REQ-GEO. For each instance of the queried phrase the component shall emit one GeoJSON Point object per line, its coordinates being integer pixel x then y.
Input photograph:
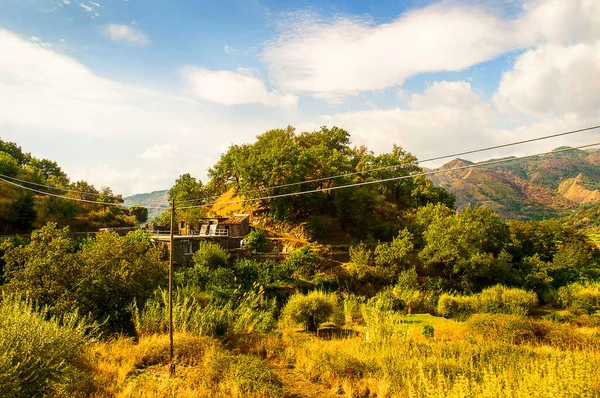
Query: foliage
{"type": "Point", "coordinates": [391, 258]}
{"type": "Point", "coordinates": [192, 313]}
{"type": "Point", "coordinates": [468, 245]}
{"type": "Point", "coordinates": [584, 296]}
{"type": "Point", "coordinates": [256, 240]}
{"type": "Point", "coordinates": [8, 165]}
{"type": "Point", "coordinates": [309, 310]}
{"type": "Point", "coordinates": [139, 212]}
{"type": "Point", "coordinates": [41, 355]}
{"type": "Point", "coordinates": [102, 278]}
{"type": "Point", "coordinates": [302, 262]}
{"type": "Point", "coordinates": [24, 213]}
{"type": "Point", "coordinates": [187, 188]}
{"type": "Point", "coordinates": [494, 300]}
{"type": "Point", "coordinates": [210, 255]}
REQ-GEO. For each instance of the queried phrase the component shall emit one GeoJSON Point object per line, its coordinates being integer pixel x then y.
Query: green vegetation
{"type": "Point", "coordinates": [21, 210]}
{"type": "Point", "coordinates": [428, 302]}
{"type": "Point", "coordinates": [40, 354]}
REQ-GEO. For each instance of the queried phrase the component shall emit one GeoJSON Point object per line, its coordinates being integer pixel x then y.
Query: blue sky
{"type": "Point", "coordinates": [133, 93]}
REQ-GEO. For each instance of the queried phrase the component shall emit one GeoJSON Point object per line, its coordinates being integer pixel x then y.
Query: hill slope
{"type": "Point", "coordinates": [156, 198]}
{"type": "Point", "coordinates": [535, 188]}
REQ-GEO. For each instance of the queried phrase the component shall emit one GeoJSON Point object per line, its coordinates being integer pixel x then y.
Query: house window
{"type": "Point", "coordinates": [181, 224]}
{"type": "Point", "coordinates": [187, 247]}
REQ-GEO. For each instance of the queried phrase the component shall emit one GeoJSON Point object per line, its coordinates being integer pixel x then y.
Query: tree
{"type": "Point", "coordinates": [310, 310]}
{"type": "Point", "coordinates": [186, 188]}
{"type": "Point", "coordinates": [257, 241]}
{"type": "Point", "coordinates": [466, 245]}
{"type": "Point", "coordinates": [103, 278]}
{"type": "Point", "coordinates": [391, 258]}
{"type": "Point", "coordinates": [8, 165]}
{"type": "Point", "coordinates": [48, 168]}
{"type": "Point", "coordinates": [139, 212]}
{"type": "Point", "coordinates": [23, 210]}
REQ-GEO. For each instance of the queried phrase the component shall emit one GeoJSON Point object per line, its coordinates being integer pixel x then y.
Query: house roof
{"type": "Point", "coordinates": [236, 219]}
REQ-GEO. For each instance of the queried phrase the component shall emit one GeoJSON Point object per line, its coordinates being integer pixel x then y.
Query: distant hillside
{"type": "Point", "coordinates": [156, 198]}
{"type": "Point", "coordinates": [536, 188]}
{"type": "Point", "coordinates": [22, 210]}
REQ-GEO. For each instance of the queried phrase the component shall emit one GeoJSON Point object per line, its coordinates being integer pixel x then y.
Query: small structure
{"type": "Point", "coordinates": [228, 232]}
{"type": "Point", "coordinates": [234, 226]}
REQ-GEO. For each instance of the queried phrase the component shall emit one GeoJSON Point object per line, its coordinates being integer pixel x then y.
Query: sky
{"type": "Point", "coordinates": [131, 94]}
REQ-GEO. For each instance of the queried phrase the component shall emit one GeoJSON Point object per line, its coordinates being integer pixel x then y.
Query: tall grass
{"type": "Point", "coordinates": [406, 365]}
{"type": "Point", "coordinates": [206, 317]}
{"type": "Point", "coordinates": [494, 300]}
{"type": "Point", "coordinates": [204, 368]}
{"type": "Point", "coordinates": [41, 355]}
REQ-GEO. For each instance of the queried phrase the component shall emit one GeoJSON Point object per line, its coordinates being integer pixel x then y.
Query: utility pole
{"type": "Point", "coordinates": [171, 364]}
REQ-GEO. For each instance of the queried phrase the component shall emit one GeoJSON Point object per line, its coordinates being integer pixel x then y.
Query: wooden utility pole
{"type": "Point", "coordinates": [171, 364]}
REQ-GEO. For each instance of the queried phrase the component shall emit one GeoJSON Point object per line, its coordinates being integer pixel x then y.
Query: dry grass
{"type": "Point", "coordinates": [463, 363]}
{"type": "Point", "coordinates": [123, 368]}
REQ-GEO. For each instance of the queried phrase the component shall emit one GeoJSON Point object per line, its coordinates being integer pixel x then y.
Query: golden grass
{"type": "Point", "coordinates": [461, 364]}
{"type": "Point", "coordinates": [124, 368]}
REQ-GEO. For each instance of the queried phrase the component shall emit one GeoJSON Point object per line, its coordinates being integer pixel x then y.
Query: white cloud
{"type": "Point", "coordinates": [126, 34]}
{"type": "Point", "coordinates": [94, 4]}
{"type": "Point", "coordinates": [67, 2]}
{"type": "Point", "coordinates": [86, 7]}
{"type": "Point", "coordinates": [158, 152]}
{"type": "Point", "coordinates": [228, 50]}
{"type": "Point", "coordinates": [57, 108]}
{"type": "Point", "coordinates": [351, 55]}
{"type": "Point", "coordinates": [553, 80]}
{"type": "Point", "coordinates": [561, 21]}
{"type": "Point", "coordinates": [233, 88]}
{"type": "Point", "coordinates": [448, 116]}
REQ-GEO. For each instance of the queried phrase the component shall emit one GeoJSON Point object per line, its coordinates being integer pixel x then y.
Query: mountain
{"type": "Point", "coordinates": [156, 198]}
{"type": "Point", "coordinates": [553, 185]}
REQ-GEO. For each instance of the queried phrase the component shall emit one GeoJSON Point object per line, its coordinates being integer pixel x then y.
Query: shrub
{"type": "Point", "coordinates": [41, 355]}
{"type": "Point", "coordinates": [503, 300]}
{"type": "Point", "coordinates": [494, 300]}
{"type": "Point", "coordinates": [428, 331]}
{"type": "Point", "coordinates": [310, 310]}
{"type": "Point", "coordinates": [585, 296]}
{"type": "Point", "coordinates": [456, 306]}
{"type": "Point", "coordinates": [352, 308]}
{"type": "Point", "coordinates": [210, 255]}
{"type": "Point", "coordinates": [257, 241]}
{"type": "Point", "coordinates": [511, 329]}
{"type": "Point", "coordinates": [302, 262]}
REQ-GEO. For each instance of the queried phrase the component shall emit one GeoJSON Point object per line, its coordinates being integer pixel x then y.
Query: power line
{"type": "Point", "coordinates": [492, 162]}
{"type": "Point", "coordinates": [75, 199]}
{"type": "Point", "coordinates": [396, 166]}
{"type": "Point", "coordinates": [55, 187]}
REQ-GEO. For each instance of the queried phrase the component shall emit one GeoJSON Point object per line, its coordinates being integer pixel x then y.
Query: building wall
{"type": "Point", "coordinates": [181, 258]}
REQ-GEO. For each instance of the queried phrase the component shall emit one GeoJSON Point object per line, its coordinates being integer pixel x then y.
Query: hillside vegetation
{"type": "Point", "coordinates": [21, 210]}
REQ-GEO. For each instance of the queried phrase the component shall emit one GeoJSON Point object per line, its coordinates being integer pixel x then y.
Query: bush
{"type": "Point", "coordinates": [494, 300]}
{"type": "Point", "coordinates": [257, 241]}
{"type": "Point", "coordinates": [352, 309]}
{"type": "Point", "coordinates": [41, 355]}
{"type": "Point", "coordinates": [310, 310]}
{"type": "Point", "coordinates": [302, 262]}
{"type": "Point", "coordinates": [585, 296]}
{"type": "Point", "coordinates": [210, 255]}
{"type": "Point", "coordinates": [503, 300]}
{"type": "Point", "coordinates": [428, 331]}
{"type": "Point", "coordinates": [456, 306]}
